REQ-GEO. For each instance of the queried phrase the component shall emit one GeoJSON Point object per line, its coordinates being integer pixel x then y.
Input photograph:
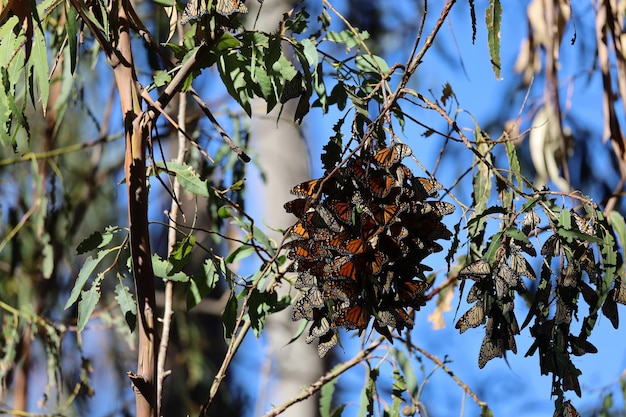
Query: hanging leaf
{"type": "Point", "coordinates": [493, 17]}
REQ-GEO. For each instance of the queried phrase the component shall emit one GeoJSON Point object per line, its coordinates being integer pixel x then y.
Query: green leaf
{"type": "Point", "coordinates": [87, 304]}
{"type": "Point", "coordinates": [616, 220]}
{"type": "Point", "coordinates": [326, 395]}
{"type": "Point", "coordinates": [261, 305]}
{"type": "Point", "coordinates": [161, 78]}
{"type": "Point", "coordinates": [187, 177]}
{"type": "Point", "coordinates": [127, 304]}
{"type": "Point", "coordinates": [71, 29]}
{"type": "Point", "coordinates": [83, 275]}
{"type": "Point", "coordinates": [347, 38]}
{"type": "Point", "coordinates": [240, 253]}
{"type": "Point", "coordinates": [202, 284]}
{"type": "Point", "coordinates": [229, 317]}
{"type": "Point", "coordinates": [372, 63]}
{"type": "Point", "coordinates": [310, 55]}
{"type": "Point", "coordinates": [162, 270]}
{"type": "Point", "coordinates": [179, 257]}
{"type": "Point", "coordinates": [517, 234]}
{"type": "Point", "coordinates": [96, 240]}
{"type": "Point", "coordinates": [493, 17]}
{"type": "Point", "coordinates": [39, 62]}
{"type": "Point", "coordinates": [407, 370]}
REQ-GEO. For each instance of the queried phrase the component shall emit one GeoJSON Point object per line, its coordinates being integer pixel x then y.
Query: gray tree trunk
{"type": "Point", "coordinates": [282, 156]}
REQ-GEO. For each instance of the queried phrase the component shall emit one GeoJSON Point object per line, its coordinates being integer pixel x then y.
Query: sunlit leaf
{"type": "Point", "coordinates": [83, 275]}
{"type": "Point", "coordinates": [86, 305]}
{"type": "Point", "coordinates": [493, 17]}
{"type": "Point", "coordinates": [127, 304]}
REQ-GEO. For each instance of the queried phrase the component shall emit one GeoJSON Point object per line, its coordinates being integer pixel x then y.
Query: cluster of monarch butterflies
{"type": "Point", "coordinates": [496, 282]}
{"type": "Point", "coordinates": [494, 291]}
{"type": "Point", "coordinates": [359, 242]}
{"type": "Point", "coordinates": [195, 9]}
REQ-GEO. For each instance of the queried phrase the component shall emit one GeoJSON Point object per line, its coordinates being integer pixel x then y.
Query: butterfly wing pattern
{"type": "Point", "coordinates": [196, 9]}
{"type": "Point", "coordinates": [359, 242]}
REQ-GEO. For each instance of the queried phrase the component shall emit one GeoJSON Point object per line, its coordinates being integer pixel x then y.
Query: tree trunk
{"type": "Point", "coordinates": [282, 158]}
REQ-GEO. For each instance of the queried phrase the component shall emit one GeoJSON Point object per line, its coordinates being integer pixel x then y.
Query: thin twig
{"type": "Point", "coordinates": [325, 379]}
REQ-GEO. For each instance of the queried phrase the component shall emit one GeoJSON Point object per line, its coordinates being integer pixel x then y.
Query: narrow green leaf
{"type": "Point", "coordinates": [229, 317]}
{"type": "Point", "coordinates": [240, 253]}
{"type": "Point", "coordinates": [616, 220]}
{"type": "Point", "coordinates": [493, 18]}
{"type": "Point", "coordinates": [326, 396]}
{"type": "Point", "coordinates": [127, 304]}
{"type": "Point", "coordinates": [83, 275]}
{"type": "Point", "coordinates": [71, 30]}
{"type": "Point", "coordinates": [407, 370]}
{"type": "Point", "coordinates": [87, 304]}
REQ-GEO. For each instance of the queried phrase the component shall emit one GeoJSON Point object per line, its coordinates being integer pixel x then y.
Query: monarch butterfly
{"type": "Point", "coordinates": [475, 293]}
{"type": "Point", "coordinates": [620, 291]}
{"type": "Point", "coordinates": [397, 231]}
{"type": "Point", "coordinates": [411, 290]}
{"type": "Point", "coordinates": [305, 280]}
{"type": "Point", "coordinates": [425, 188]}
{"type": "Point", "coordinates": [355, 167]}
{"type": "Point", "coordinates": [476, 270]}
{"type": "Point", "coordinates": [299, 231]}
{"type": "Point", "coordinates": [194, 10]}
{"type": "Point", "coordinates": [343, 267]}
{"type": "Point", "coordinates": [354, 246]}
{"type": "Point", "coordinates": [306, 249]}
{"type": "Point", "coordinates": [530, 222]}
{"type": "Point", "coordinates": [552, 246]}
{"type": "Point", "coordinates": [355, 317]}
{"type": "Point", "coordinates": [384, 215]}
{"type": "Point", "coordinates": [319, 328]}
{"type": "Point", "coordinates": [585, 226]}
{"type": "Point", "coordinates": [307, 189]}
{"type": "Point", "coordinates": [473, 317]}
{"type": "Point", "coordinates": [402, 173]}
{"type": "Point", "coordinates": [580, 346]}
{"type": "Point", "coordinates": [322, 218]}
{"type": "Point", "coordinates": [520, 265]}
{"type": "Point", "coordinates": [389, 156]}
{"type": "Point", "coordinates": [297, 207]}
{"type": "Point", "coordinates": [568, 410]}
{"type": "Point", "coordinates": [563, 313]}
{"type": "Point", "coordinates": [303, 307]}
{"type": "Point", "coordinates": [380, 185]}
{"type": "Point", "coordinates": [343, 210]}
{"type": "Point", "coordinates": [376, 262]}
{"type": "Point", "coordinates": [341, 290]}
{"type": "Point", "coordinates": [488, 350]}
{"type": "Point", "coordinates": [507, 279]}
{"type": "Point", "coordinates": [438, 208]}
{"type": "Point", "coordinates": [326, 342]}
{"type": "Point", "coordinates": [228, 7]}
